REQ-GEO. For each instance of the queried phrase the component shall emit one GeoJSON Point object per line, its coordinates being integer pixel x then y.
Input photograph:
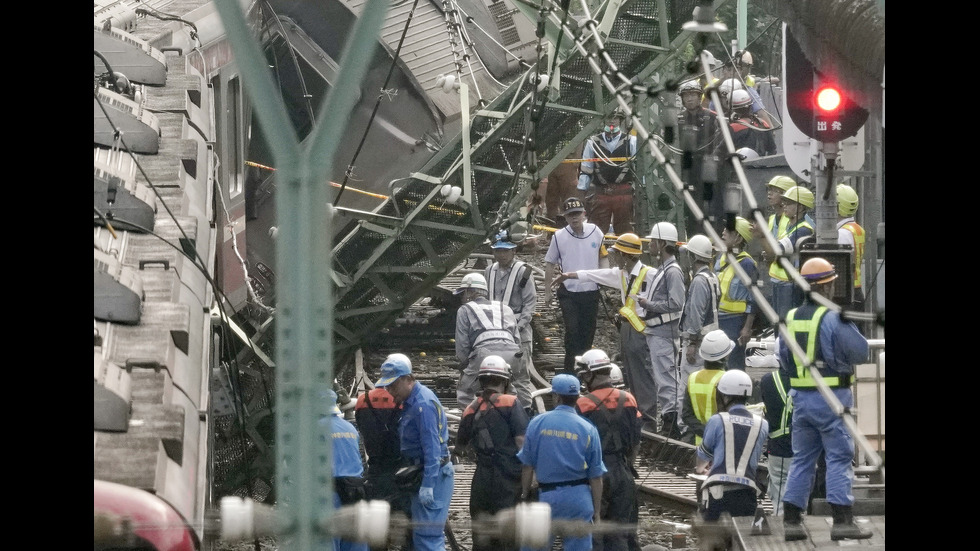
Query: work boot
{"type": "Point", "coordinates": [793, 522]}
{"type": "Point", "coordinates": [844, 527]}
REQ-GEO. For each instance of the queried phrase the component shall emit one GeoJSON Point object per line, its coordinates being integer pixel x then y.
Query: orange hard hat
{"type": "Point", "coordinates": [818, 270]}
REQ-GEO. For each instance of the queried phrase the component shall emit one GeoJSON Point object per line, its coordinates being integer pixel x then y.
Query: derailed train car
{"type": "Point", "coordinates": [168, 192]}
{"type": "Point", "coordinates": [184, 230]}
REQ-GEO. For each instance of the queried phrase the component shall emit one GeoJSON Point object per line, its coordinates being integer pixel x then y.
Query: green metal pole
{"type": "Point", "coordinates": [741, 22]}
{"type": "Point", "coordinates": [304, 317]}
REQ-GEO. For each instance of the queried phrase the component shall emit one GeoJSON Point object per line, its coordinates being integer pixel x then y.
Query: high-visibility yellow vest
{"type": "Point", "coordinates": [781, 228]}
{"type": "Point", "coordinates": [775, 270]}
{"type": "Point", "coordinates": [808, 329]}
{"type": "Point", "coordinates": [858, 232]}
{"type": "Point", "coordinates": [726, 304]}
{"type": "Point", "coordinates": [786, 419]}
{"type": "Point", "coordinates": [701, 385]}
{"type": "Point", "coordinates": [628, 310]}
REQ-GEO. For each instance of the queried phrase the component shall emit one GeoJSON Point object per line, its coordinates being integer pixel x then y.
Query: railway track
{"type": "Point", "coordinates": [668, 496]}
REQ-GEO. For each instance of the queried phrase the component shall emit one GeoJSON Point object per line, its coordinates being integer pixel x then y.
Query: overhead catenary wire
{"type": "Point", "coordinates": [307, 97]}
{"type": "Point", "coordinates": [453, 26]}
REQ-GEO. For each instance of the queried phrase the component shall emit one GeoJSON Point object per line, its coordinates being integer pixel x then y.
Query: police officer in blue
{"type": "Point", "coordinates": [424, 431]}
{"type": "Point", "coordinates": [729, 454]}
{"type": "Point", "coordinates": [832, 346]}
{"type": "Point", "coordinates": [348, 470]}
{"type": "Point", "coordinates": [564, 451]}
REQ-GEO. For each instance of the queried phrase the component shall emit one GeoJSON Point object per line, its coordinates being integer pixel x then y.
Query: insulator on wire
{"type": "Point", "coordinates": [525, 525]}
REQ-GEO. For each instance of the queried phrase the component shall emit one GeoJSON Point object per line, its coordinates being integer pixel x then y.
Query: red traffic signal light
{"type": "Point", "coordinates": [817, 104]}
{"type": "Point", "coordinates": [828, 99]}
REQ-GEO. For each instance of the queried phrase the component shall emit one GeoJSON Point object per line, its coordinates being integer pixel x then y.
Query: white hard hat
{"type": "Point", "coordinates": [741, 98]}
{"type": "Point", "coordinates": [664, 231]}
{"type": "Point", "coordinates": [729, 84]}
{"type": "Point", "coordinates": [690, 86]}
{"type": "Point", "coordinates": [473, 280]}
{"type": "Point", "coordinates": [700, 246]}
{"type": "Point", "coordinates": [745, 59]}
{"type": "Point", "coordinates": [716, 346]}
{"type": "Point", "coordinates": [616, 376]}
{"type": "Point", "coordinates": [495, 365]}
{"type": "Point", "coordinates": [747, 153]}
{"type": "Point", "coordinates": [593, 360]}
{"type": "Point", "coordinates": [735, 382]}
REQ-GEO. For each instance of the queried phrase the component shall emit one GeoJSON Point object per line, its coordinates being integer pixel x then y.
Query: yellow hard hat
{"type": "Point", "coordinates": [818, 270]}
{"type": "Point", "coordinates": [744, 228]}
{"type": "Point", "coordinates": [847, 200]}
{"type": "Point", "coordinates": [800, 195]}
{"type": "Point", "coordinates": [629, 243]}
{"type": "Point", "coordinates": [782, 182]}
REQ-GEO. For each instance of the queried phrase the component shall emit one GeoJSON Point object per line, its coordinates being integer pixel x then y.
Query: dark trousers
{"type": "Point", "coordinates": [490, 492]}
{"type": "Point", "coordinates": [578, 311]}
{"type": "Point", "coordinates": [381, 485]}
{"type": "Point", "coordinates": [618, 504]}
{"type": "Point", "coordinates": [615, 208]}
{"type": "Point", "coordinates": [737, 503]}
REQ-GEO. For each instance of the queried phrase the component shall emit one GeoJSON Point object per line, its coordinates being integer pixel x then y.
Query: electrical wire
{"type": "Point", "coordinates": [307, 97]}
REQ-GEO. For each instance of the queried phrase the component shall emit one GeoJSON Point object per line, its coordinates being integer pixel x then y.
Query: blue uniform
{"type": "Point", "coordinates": [424, 432]}
{"type": "Point", "coordinates": [346, 449]}
{"type": "Point", "coordinates": [563, 448]}
{"type": "Point", "coordinates": [733, 443]}
{"type": "Point", "coordinates": [837, 348]}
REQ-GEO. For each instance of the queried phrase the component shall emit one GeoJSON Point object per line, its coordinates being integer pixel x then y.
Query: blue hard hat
{"type": "Point", "coordinates": [503, 241]}
{"type": "Point", "coordinates": [332, 396]}
{"type": "Point", "coordinates": [395, 366]}
{"type": "Point", "coordinates": [565, 384]}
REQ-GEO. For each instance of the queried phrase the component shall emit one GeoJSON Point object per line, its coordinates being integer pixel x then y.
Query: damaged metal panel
{"type": "Point", "coordinates": [115, 115]}
{"type": "Point", "coordinates": [112, 401]}
{"type": "Point", "coordinates": [127, 204]}
{"type": "Point", "coordinates": [129, 55]}
{"type": "Point", "coordinates": [118, 291]}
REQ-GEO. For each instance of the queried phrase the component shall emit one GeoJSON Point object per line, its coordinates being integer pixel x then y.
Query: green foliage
{"type": "Point", "coordinates": [763, 36]}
